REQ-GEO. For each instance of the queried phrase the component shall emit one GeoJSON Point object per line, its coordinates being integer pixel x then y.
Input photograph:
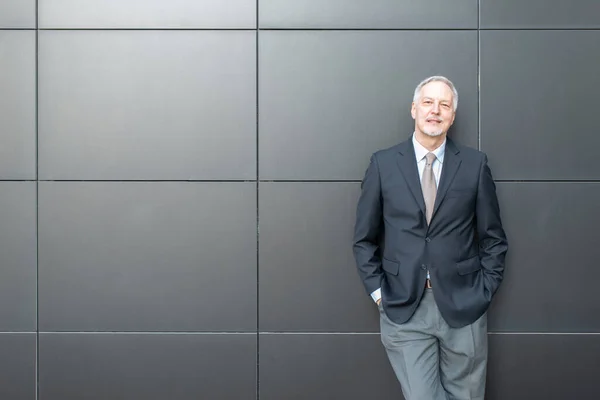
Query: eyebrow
{"type": "Point", "coordinates": [431, 98]}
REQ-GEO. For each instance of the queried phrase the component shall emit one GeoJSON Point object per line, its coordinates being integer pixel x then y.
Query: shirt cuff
{"type": "Point", "coordinates": [376, 295]}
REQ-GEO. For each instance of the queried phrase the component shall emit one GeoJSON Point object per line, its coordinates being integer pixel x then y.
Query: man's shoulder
{"type": "Point", "coordinates": [391, 151]}
{"type": "Point", "coordinates": [387, 151]}
{"type": "Point", "coordinates": [467, 151]}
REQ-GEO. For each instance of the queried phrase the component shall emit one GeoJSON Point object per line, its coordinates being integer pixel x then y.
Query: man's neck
{"type": "Point", "coordinates": [430, 142]}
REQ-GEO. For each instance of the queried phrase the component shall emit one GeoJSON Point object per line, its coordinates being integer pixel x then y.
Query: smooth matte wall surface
{"type": "Point", "coordinates": [17, 14]}
{"type": "Point", "coordinates": [17, 104]}
{"type": "Point", "coordinates": [147, 14]}
{"type": "Point", "coordinates": [178, 183]}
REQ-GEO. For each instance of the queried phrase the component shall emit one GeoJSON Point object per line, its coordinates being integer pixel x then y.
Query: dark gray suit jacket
{"type": "Point", "coordinates": [463, 248]}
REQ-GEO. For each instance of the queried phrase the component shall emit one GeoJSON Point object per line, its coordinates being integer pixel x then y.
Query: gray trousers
{"type": "Point", "coordinates": [434, 361]}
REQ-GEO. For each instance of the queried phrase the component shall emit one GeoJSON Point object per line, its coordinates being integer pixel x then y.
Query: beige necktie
{"type": "Point", "coordinates": [428, 186]}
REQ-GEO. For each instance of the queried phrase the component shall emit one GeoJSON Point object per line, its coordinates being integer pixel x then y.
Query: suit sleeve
{"type": "Point", "coordinates": [492, 239]}
{"type": "Point", "coordinates": [368, 228]}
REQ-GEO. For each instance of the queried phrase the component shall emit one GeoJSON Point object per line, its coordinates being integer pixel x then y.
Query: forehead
{"type": "Point", "coordinates": [437, 90]}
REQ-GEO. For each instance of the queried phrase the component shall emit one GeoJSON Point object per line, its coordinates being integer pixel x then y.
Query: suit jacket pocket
{"type": "Point", "coordinates": [468, 266]}
{"type": "Point", "coordinates": [391, 267]}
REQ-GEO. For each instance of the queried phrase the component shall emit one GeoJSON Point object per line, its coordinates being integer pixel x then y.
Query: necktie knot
{"type": "Point", "coordinates": [430, 157]}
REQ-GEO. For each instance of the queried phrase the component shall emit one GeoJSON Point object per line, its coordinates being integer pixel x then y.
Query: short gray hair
{"type": "Point", "coordinates": [437, 78]}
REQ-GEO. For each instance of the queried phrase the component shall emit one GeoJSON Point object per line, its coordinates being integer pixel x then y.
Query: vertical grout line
{"type": "Point", "coordinates": [257, 216]}
{"type": "Point", "coordinates": [37, 212]}
{"type": "Point", "coordinates": [479, 74]}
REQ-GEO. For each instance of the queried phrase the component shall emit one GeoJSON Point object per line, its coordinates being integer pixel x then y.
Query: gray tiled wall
{"type": "Point", "coordinates": [178, 183]}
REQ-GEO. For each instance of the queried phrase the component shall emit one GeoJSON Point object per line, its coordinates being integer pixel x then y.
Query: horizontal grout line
{"type": "Point", "coordinates": [187, 180]}
{"type": "Point", "coordinates": [142, 333]}
{"type": "Point", "coordinates": [276, 333]}
{"type": "Point", "coordinates": [266, 29]}
{"type": "Point", "coordinates": [539, 29]}
{"type": "Point", "coordinates": [310, 181]}
{"type": "Point", "coordinates": [372, 29]}
{"type": "Point", "coordinates": [149, 180]}
{"type": "Point", "coordinates": [315, 29]}
{"type": "Point", "coordinates": [149, 29]}
{"type": "Point", "coordinates": [282, 180]}
{"type": "Point", "coordinates": [431, 29]}
{"type": "Point", "coordinates": [318, 333]}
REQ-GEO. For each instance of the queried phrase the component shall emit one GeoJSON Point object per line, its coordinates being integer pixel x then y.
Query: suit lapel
{"type": "Point", "coordinates": [407, 163]}
{"type": "Point", "coordinates": [451, 163]}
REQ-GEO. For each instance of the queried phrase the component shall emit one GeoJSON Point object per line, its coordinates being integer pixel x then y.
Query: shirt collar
{"type": "Point", "coordinates": [421, 152]}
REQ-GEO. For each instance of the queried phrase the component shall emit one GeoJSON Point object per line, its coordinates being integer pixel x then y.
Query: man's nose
{"type": "Point", "coordinates": [436, 108]}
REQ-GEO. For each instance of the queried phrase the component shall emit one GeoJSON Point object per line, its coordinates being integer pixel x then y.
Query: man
{"type": "Point", "coordinates": [430, 249]}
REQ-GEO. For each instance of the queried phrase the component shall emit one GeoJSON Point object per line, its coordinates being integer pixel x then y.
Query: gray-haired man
{"type": "Point", "coordinates": [430, 249]}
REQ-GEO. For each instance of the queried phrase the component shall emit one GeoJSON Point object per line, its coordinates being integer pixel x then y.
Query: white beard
{"type": "Point", "coordinates": [433, 133]}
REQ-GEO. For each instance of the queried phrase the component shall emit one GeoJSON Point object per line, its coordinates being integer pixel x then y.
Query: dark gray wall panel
{"type": "Point", "coordinates": [17, 366]}
{"type": "Point", "coordinates": [147, 256]}
{"type": "Point", "coordinates": [308, 278]}
{"type": "Point", "coordinates": [17, 14]}
{"type": "Point", "coordinates": [378, 14]}
{"type": "Point", "coordinates": [147, 14]}
{"type": "Point", "coordinates": [17, 257]}
{"type": "Point", "coordinates": [555, 14]}
{"type": "Point", "coordinates": [532, 125]}
{"type": "Point", "coordinates": [548, 367]}
{"type": "Point", "coordinates": [329, 99]}
{"type": "Point", "coordinates": [152, 367]}
{"type": "Point", "coordinates": [349, 367]}
{"type": "Point", "coordinates": [17, 104]}
{"type": "Point", "coordinates": [551, 228]}
{"type": "Point", "coordinates": [147, 105]}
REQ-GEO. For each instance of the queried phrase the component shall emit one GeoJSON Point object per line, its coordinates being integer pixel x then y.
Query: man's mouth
{"type": "Point", "coordinates": [434, 120]}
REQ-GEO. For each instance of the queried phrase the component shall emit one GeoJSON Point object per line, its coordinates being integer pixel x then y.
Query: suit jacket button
{"type": "Point", "coordinates": [423, 266]}
{"type": "Point", "coordinates": [427, 240]}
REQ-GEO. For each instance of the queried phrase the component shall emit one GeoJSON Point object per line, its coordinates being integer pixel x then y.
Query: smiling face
{"type": "Point", "coordinates": [433, 111]}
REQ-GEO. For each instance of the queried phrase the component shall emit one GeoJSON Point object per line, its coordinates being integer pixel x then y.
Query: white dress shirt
{"type": "Point", "coordinates": [420, 153]}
